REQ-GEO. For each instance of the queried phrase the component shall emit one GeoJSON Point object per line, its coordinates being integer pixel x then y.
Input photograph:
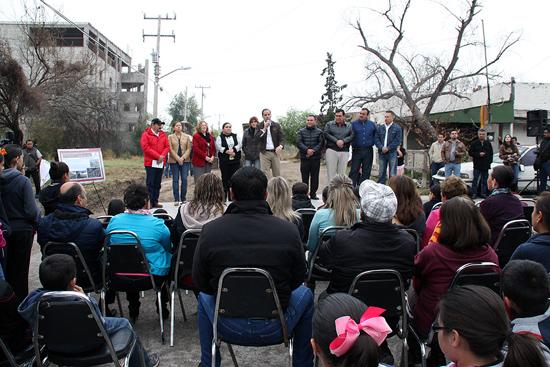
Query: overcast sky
{"type": "Point", "coordinates": [259, 54]}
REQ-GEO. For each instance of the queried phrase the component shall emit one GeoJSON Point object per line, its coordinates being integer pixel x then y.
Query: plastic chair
{"type": "Point", "coordinates": [104, 219]}
{"type": "Point", "coordinates": [416, 237]}
{"type": "Point", "coordinates": [85, 328]}
{"type": "Point", "coordinates": [127, 258]}
{"type": "Point", "coordinates": [315, 271]}
{"type": "Point", "coordinates": [485, 274]}
{"type": "Point", "coordinates": [528, 209]}
{"type": "Point", "coordinates": [307, 216]}
{"type": "Point", "coordinates": [82, 269]}
{"type": "Point", "coordinates": [513, 234]}
{"type": "Point", "coordinates": [168, 220]}
{"type": "Point", "coordinates": [183, 266]}
{"type": "Point", "coordinates": [384, 288]}
{"type": "Point", "coordinates": [250, 293]}
{"type": "Point", "coordinates": [25, 357]}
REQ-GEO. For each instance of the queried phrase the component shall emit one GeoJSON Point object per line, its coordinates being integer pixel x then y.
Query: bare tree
{"type": "Point", "coordinates": [419, 80]}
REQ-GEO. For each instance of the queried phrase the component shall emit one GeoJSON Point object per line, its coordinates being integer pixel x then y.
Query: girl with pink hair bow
{"type": "Point", "coordinates": [347, 333]}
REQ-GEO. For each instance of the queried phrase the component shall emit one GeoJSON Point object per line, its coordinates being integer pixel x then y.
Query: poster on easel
{"type": "Point", "coordinates": [85, 165]}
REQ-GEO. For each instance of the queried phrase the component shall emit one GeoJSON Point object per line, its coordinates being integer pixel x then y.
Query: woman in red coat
{"type": "Point", "coordinates": [204, 150]}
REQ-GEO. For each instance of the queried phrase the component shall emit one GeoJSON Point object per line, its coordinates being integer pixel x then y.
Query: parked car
{"type": "Point", "coordinates": [526, 170]}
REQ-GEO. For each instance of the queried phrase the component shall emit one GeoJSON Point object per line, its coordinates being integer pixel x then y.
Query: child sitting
{"type": "Point", "coordinates": [300, 200]}
{"type": "Point", "coordinates": [57, 272]}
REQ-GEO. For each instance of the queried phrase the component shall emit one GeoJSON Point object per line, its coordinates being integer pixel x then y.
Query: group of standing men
{"type": "Point", "coordinates": [362, 135]}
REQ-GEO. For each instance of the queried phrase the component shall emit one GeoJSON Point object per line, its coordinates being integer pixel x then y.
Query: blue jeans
{"type": "Point", "coordinates": [254, 163]}
{"type": "Point", "coordinates": [153, 179]}
{"type": "Point", "coordinates": [515, 167]}
{"type": "Point", "coordinates": [360, 158]}
{"type": "Point", "coordinates": [435, 167]}
{"type": "Point", "coordinates": [298, 316]}
{"type": "Point", "coordinates": [168, 170]}
{"type": "Point", "coordinates": [452, 169]}
{"type": "Point", "coordinates": [385, 160]}
{"type": "Point", "coordinates": [484, 174]}
{"type": "Point", "coordinates": [543, 176]}
{"type": "Point", "coordinates": [178, 170]}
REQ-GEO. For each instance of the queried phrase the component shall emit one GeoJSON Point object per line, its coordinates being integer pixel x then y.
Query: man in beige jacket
{"type": "Point", "coordinates": [435, 156]}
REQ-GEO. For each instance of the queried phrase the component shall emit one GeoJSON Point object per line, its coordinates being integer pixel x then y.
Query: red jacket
{"type": "Point", "coordinates": [154, 146]}
{"type": "Point", "coordinates": [201, 150]}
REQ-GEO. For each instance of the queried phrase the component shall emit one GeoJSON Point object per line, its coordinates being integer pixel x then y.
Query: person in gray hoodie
{"type": "Point", "coordinates": [22, 211]}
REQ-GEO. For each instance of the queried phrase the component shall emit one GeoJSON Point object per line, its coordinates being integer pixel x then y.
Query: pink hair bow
{"type": "Point", "coordinates": [348, 330]}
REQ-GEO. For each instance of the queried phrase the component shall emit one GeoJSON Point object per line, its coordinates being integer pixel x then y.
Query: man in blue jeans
{"type": "Point", "coordinates": [364, 139]}
{"type": "Point", "coordinates": [248, 235]}
{"type": "Point", "coordinates": [389, 138]}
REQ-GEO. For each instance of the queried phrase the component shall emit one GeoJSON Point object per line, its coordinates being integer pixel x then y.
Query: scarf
{"type": "Point", "coordinates": [205, 137]}
{"type": "Point", "coordinates": [139, 211]}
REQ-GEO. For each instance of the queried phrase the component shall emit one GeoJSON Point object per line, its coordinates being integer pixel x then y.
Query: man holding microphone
{"type": "Point", "coordinates": [271, 140]}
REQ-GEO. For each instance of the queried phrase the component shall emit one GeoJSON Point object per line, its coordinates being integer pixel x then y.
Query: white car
{"type": "Point", "coordinates": [526, 170]}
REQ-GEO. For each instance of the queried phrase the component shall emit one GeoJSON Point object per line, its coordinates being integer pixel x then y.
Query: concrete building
{"type": "Point", "coordinates": [111, 67]}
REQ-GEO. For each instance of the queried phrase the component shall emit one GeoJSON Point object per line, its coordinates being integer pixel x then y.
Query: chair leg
{"type": "Point", "coordinates": [102, 300]}
{"type": "Point", "coordinates": [424, 354]}
{"type": "Point", "coordinates": [119, 304]}
{"type": "Point", "coordinates": [405, 353]}
{"type": "Point", "coordinates": [215, 345]}
{"type": "Point", "coordinates": [172, 317]}
{"type": "Point", "coordinates": [232, 355]}
{"type": "Point", "coordinates": [290, 351]}
{"type": "Point", "coordinates": [160, 317]}
{"type": "Point", "coordinates": [181, 304]}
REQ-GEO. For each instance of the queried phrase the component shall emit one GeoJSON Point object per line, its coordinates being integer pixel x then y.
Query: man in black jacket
{"type": "Point", "coordinates": [310, 141]}
{"type": "Point", "coordinates": [481, 152]}
{"type": "Point", "coordinates": [248, 235]}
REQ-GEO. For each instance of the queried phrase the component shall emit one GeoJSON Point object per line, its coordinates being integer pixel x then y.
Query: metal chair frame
{"type": "Point", "coordinates": [26, 357]}
{"type": "Point", "coordinates": [417, 238]}
{"type": "Point", "coordinates": [312, 258]}
{"type": "Point", "coordinates": [306, 211]}
{"type": "Point", "coordinates": [512, 226]}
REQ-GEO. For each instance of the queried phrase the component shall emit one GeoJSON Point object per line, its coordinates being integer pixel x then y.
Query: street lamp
{"type": "Point", "coordinates": [157, 78]}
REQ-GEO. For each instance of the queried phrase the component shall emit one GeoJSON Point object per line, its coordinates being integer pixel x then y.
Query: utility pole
{"type": "Point", "coordinates": [185, 106]}
{"type": "Point", "coordinates": [202, 98]}
{"type": "Point", "coordinates": [156, 55]}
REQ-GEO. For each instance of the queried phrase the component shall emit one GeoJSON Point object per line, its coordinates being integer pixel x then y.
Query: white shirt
{"type": "Point", "coordinates": [386, 137]}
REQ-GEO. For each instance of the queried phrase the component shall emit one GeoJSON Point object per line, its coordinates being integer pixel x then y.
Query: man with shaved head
{"type": "Point", "coordinates": [71, 222]}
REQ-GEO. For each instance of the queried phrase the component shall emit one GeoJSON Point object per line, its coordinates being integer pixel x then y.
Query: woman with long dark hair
{"type": "Point", "coordinates": [229, 147]}
{"type": "Point", "coordinates": [509, 154]}
{"type": "Point", "coordinates": [204, 150]}
{"type": "Point", "coordinates": [410, 212]}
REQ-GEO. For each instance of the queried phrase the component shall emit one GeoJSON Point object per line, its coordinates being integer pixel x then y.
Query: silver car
{"type": "Point", "coordinates": [526, 170]}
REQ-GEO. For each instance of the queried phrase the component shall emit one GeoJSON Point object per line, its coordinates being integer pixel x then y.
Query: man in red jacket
{"type": "Point", "coordinates": [154, 143]}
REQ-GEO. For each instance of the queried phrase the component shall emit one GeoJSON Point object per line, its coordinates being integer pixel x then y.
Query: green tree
{"type": "Point", "coordinates": [333, 95]}
{"type": "Point", "coordinates": [292, 122]}
{"type": "Point", "coordinates": [178, 105]}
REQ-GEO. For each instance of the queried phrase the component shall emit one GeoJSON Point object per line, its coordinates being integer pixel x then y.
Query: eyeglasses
{"type": "Point", "coordinates": [436, 327]}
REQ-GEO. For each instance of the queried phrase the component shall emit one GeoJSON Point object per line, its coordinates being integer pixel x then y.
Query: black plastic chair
{"type": "Point", "coordinates": [513, 234]}
{"type": "Point", "coordinates": [127, 258]}
{"type": "Point", "coordinates": [528, 209]}
{"type": "Point", "coordinates": [82, 269]}
{"type": "Point", "coordinates": [307, 216]}
{"type": "Point", "coordinates": [104, 219]}
{"type": "Point", "coordinates": [25, 357]}
{"type": "Point", "coordinates": [182, 267]}
{"type": "Point", "coordinates": [168, 220]}
{"type": "Point", "coordinates": [250, 293]}
{"type": "Point", "coordinates": [54, 309]}
{"type": "Point", "coordinates": [384, 288]}
{"type": "Point", "coordinates": [416, 237]}
{"type": "Point", "coordinates": [485, 274]}
{"type": "Point", "coordinates": [315, 271]}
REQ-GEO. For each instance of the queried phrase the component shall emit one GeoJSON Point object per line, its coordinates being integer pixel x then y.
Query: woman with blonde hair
{"type": "Point", "coordinates": [279, 198]}
{"type": "Point", "coordinates": [204, 150]}
{"type": "Point", "coordinates": [341, 209]}
{"type": "Point", "coordinates": [180, 149]}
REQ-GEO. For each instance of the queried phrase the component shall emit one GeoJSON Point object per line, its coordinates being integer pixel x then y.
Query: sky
{"type": "Point", "coordinates": [258, 54]}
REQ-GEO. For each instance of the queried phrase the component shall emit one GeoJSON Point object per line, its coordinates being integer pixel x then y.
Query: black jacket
{"type": "Point", "coordinates": [248, 235]}
{"type": "Point", "coordinates": [333, 133]}
{"type": "Point", "coordinates": [310, 138]}
{"type": "Point", "coordinates": [545, 150]}
{"type": "Point", "coordinates": [367, 246]}
{"type": "Point", "coordinates": [250, 146]}
{"type": "Point", "coordinates": [481, 163]}
{"type": "Point", "coordinates": [49, 197]}
{"type": "Point", "coordinates": [301, 201]}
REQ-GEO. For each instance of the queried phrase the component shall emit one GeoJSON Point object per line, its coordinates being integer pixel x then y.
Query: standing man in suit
{"type": "Point", "coordinates": [271, 139]}
{"type": "Point", "coordinates": [389, 138]}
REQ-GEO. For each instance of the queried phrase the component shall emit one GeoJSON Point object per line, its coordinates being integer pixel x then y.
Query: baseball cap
{"type": "Point", "coordinates": [156, 121]}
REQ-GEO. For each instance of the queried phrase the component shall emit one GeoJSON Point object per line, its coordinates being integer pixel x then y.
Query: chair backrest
{"type": "Point", "coordinates": [250, 293]}
{"type": "Point", "coordinates": [71, 249]}
{"type": "Point", "coordinates": [486, 274]}
{"type": "Point", "coordinates": [382, 288]}
{"type": "Point", "coordinates": [81, 323]}
{"type": "Point", "coordinates": [437, 206]}
{"type": "Point", "coordinates": [186, 252]}
{"type": "Point", "coordinates": [528, 209]}
{"type": "Point", "coordinates": [168, 220]}
{"type": "Point", "coordinates": [325, 236]}
{"type": "Point", "coordinates": [104, 219]}
{"type": "Point", "coordinates": [513, 234]}
{"type": "Point", "coordinates": [124, 257]}
{"type": "Point", "coordinates": [307, 216]}
{"type": "Point", "coordinates": [416, 237]}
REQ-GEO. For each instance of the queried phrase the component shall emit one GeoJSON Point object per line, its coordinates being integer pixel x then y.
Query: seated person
{"type": "Point", "coordinates": [57, 272]}
{"type": "Point", "coordinates": [501, 206]}
{"type": "Point", "coordinates": [433, 198]}
{"type": "Point", "coordinates": [337, 347]}
{"type": "Point", "coordinates": [525, 287]}
{"type": "Point", "coordinates": [410, 212]}
{"type": "Point", "coordinates": [374, 243]}
{"type": "Point", "coordinates": [155, 240]}
{"type": "Point", "coordinates": [537, 247]}
{"type": "Point", "coordinates": [324, 197]}
{"type": "Point", "coordinates": [451, 187]}
{"type": "Point", "coordinates": [300, 199]}
{"type": "Point", "coordinates": [208, 204]}
{"type": "Point", "coordinates": [280, 203]}
{"type": "Point", "coordinates": [249, 235]}
{"type": "Point", "coordinates": [71, 222]}
{"type": "Point", "coordinates": [340, 209]}
{"type": "Point", "coordinates": [49, 195]}
{"type": "Point", "coordinates": [14, 330]}
{"type": "Point", "coordinates": [116, 206]}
